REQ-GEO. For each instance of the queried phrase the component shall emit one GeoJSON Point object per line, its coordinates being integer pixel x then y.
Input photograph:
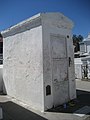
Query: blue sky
{"type": "Point", "coordinates": [15, 11]}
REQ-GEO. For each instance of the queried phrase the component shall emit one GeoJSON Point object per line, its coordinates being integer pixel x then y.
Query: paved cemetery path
{"type": "Point", "coordinates": [14, 110]}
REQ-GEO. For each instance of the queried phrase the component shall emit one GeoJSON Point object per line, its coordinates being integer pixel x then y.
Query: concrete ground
{"type": "Point", "coordinates": [16, 110]}
{"type": "Point", "coordinates": [83, 85]}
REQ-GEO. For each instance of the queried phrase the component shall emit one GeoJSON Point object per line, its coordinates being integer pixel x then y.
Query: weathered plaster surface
{"type": "Point", "coordinates": [23, 72]}
{"type": "Point", "coordinates": [59, 25]}
{"type": "Point", "coordinates": [29, 65]}
{"type": "Point", "coordinates": [71, 70]}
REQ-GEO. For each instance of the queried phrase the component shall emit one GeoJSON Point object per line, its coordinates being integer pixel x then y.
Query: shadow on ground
{"type": "Point", "coordinates": [83, 99]}
{"type": "Point", "coordinates": [12, 111]}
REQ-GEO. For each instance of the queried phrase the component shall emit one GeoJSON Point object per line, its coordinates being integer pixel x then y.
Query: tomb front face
{"type": "Point", "coordinates": [38, 61]}
{"type": "Point", "coordinates": [60, 83]}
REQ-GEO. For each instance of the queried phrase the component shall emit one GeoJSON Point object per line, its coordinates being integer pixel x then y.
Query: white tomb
{"type": "Point", "coordinates": [39, 61]}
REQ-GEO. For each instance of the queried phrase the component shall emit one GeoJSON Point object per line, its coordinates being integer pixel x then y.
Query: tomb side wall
{"type": "Point", "coordinates": [23, 71]}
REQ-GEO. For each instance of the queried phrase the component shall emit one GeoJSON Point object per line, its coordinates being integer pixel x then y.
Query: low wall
{"type": "Point", "coordinates": [1, 78]}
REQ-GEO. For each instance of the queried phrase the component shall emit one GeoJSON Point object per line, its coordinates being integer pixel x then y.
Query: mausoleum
{"type": "Point", "coordinates": [38, 67]}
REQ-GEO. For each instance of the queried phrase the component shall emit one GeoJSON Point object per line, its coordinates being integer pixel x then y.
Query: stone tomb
{"type": "Point", "coordinates": [38, 61]}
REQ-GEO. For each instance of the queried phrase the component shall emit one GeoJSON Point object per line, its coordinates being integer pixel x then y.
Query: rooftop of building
{"type": "Point", "coordinates": [35, 20]}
